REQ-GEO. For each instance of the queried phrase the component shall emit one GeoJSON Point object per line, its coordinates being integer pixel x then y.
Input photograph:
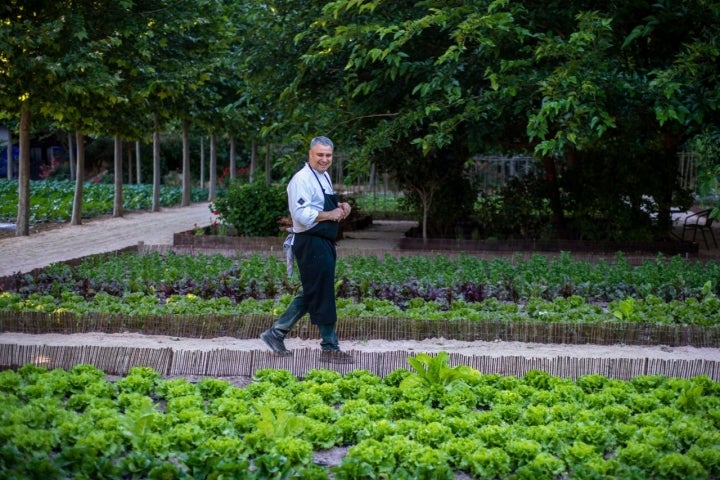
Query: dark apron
{"type": "Point", "coordinates": [315, 254]}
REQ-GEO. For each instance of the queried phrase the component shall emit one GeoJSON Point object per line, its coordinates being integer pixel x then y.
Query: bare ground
{"type": "Point", "coordinates": [432, 345]}
{"type": "Point", "coordinates": [48, 243]}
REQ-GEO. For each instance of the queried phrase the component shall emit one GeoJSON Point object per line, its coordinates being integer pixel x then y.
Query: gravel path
{"type": "Point", "coordinates": [105, 234]}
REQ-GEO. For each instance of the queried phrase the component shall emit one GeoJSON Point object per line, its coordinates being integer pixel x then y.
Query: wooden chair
{"type": "Point", "coordinates": [701, 222]}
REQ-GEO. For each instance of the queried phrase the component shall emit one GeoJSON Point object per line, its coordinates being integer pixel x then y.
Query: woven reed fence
{"type": "Point", "coordinates": [370, 328]}
{"type": "Point", "coordinates": [231, 363]}
{"type": "Point", "coordinates": [228, 362]}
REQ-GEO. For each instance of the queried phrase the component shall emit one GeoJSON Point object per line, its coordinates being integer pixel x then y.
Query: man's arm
{"type": "Point", "coordinates": [299, 194]}
{"type": "Point", "coordinates": [334, 215]}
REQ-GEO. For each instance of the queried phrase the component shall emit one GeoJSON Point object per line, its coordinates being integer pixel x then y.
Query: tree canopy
{"type": "Point", "coordinates": [603, 94]}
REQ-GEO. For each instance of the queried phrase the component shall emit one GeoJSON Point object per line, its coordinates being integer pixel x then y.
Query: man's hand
{"type": "Point", "coordinates": [345, 207]}
{"type": "Point", "coordinates": [336, 215]}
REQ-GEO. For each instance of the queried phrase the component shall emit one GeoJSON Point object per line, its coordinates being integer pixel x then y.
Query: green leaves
{"type": "Point", "coordinates": [253, 209]}
{"type": "Point", "coordinates": [211, 428]}
{"type": "Point", "coordinates": [52, 200]}
{"type": "Point", "coordinates": [434, 371]}
{"type": "Point", "coordinates": [539, 289]}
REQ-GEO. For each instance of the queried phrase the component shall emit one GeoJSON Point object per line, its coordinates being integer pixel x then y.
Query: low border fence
{"type": "Point", "coordinates": [370, 328]}
{"type": "Point", "coordinates": [233, 363]}
{"type": "Point", "coordinates": [229, 362]}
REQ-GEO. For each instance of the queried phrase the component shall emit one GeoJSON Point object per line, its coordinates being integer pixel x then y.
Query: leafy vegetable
{"type": "Point", "coordinates": [427, 422]}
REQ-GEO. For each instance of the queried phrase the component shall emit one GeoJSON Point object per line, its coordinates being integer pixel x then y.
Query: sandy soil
{"type": "Point", "coordinates": [536, 350]}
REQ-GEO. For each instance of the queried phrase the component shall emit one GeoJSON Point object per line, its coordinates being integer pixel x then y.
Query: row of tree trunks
{"type": "Point", "coordinates": [77, 169]}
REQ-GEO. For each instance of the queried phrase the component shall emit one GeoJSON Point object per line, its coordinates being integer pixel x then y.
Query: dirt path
{"type": "Point", "coordinates": [104, 234]}
{"type": "Point", "coordinates": [431, 345]}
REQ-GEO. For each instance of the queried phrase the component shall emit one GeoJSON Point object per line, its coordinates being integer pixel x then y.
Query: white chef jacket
{"type": "Point", "coordinates": [306, 197]}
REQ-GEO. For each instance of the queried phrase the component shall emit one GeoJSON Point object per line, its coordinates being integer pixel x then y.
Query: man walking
{"type": "Point", "coordinates": [316, 214]}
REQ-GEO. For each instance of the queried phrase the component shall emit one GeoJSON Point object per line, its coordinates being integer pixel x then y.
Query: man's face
{"type": "Point", "coordinates": [321, 157]}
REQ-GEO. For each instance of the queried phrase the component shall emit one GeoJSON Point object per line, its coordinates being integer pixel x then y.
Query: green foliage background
{"type": "Point", "coordinates": [52, 200]}
{"type": "Point", "coordinates": [253, 209]}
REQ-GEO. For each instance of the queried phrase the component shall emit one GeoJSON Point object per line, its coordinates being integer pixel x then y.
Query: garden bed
{"type": "Point", "coordinates": [192, 240]}
{"type": "Point", "coordinates": [437, 420]}
{"type": "Point", "coordinates": [670, 247]}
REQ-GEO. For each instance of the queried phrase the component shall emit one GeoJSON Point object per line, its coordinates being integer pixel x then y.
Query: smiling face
{"type": "Point", "coordinates": [320, 157]}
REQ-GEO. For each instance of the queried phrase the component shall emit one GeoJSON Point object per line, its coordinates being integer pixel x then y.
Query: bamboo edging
{"type": "Point", "coordinates": [370, 328]}
{"type": "Point", "coordinates": [230, 363]}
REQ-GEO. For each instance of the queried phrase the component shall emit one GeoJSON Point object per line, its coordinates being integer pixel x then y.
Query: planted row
{"type": "Point", "coordinates": [397, 279]}
{"type": "Point", "coordinates": [651, 310]}
{"type": "Point", "coordinates": [427, 422]}
{"type": "Point", "coordinates": [52, 200]}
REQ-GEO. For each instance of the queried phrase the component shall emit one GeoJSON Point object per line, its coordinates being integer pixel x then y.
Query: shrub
{"type": "Point", "coordinates": [253, 209]}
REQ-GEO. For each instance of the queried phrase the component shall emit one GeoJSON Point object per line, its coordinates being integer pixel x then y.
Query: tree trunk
{"type": "Point", "coordinates": [233, 161]}
{"type": "Point", "coordinates": [213, 167]}
{"type": "Point", "coordinates": [118, 160]}
{"type": "Point", "coordinates": [130, 166]}
{"type": "Point", "coordinates": [185, 163]}
{"type": "Point", "coordinates": [667, 168]}
{"type": "Point", "coordinates": [156, 166]}
{"type": "Point", "coordinates": [555, 201]}
{"type": "Point", "coordinates": [426, 197]}
{"type": "Point", "coordinates": [202, 161]}
{"type": "Point", "coordinates": [22, 223]}
{"type": "Point", "coordinates": [76, 218]}
{"type": "Point", "coordinates": [71, 157]}
{"type": "Point", "coordinates": [138, 170]}
{"type": "Point", "coordinates": [253, 161]}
